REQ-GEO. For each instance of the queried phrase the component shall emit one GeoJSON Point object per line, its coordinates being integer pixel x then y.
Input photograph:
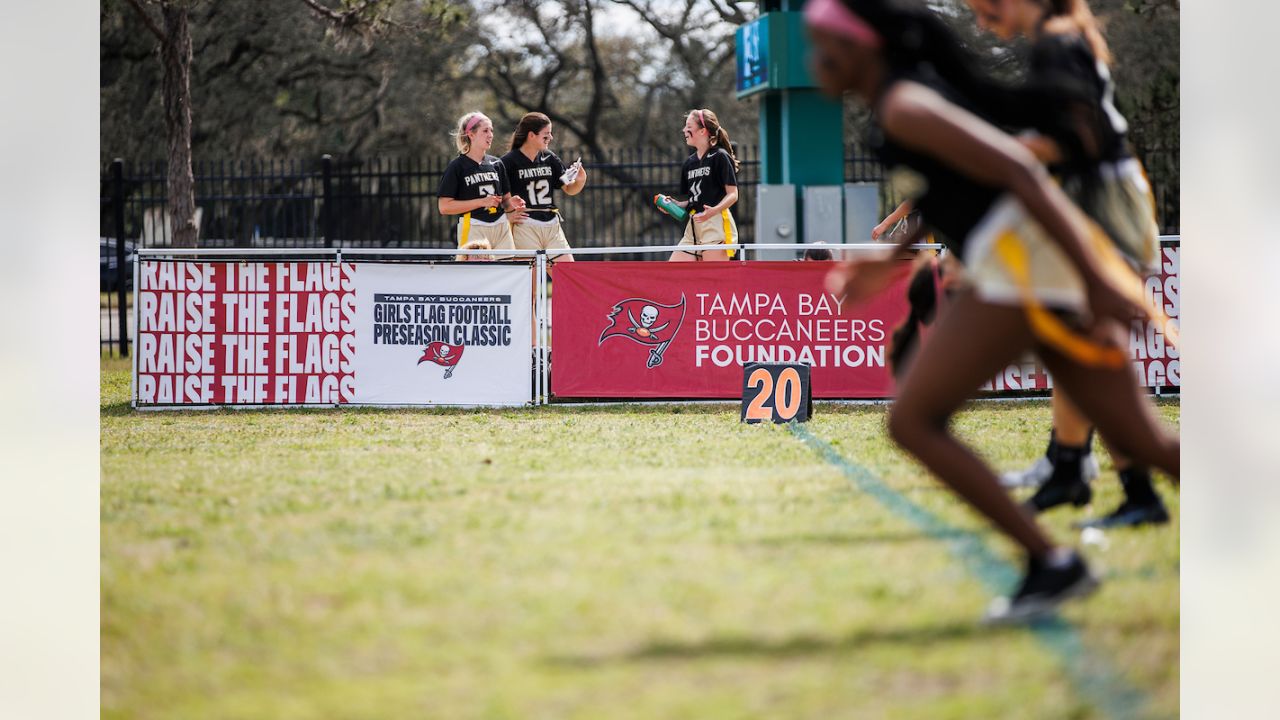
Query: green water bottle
{"type": "Point", "coordinates": [670, 207]}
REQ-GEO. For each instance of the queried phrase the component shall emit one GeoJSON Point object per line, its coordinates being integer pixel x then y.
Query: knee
{"type": "Point", "coordinates": [908, 426]}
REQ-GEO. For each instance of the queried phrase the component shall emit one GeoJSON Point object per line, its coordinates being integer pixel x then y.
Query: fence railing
{"type": "Point", "coordinates": [391, 203]}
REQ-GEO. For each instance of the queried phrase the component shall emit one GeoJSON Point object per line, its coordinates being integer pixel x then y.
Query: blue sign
{"type": "Point", "coordinates": [753, 55]}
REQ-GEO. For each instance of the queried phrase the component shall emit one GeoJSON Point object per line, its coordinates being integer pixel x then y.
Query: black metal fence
{"type": "Point", "coordinates": [391, 203]}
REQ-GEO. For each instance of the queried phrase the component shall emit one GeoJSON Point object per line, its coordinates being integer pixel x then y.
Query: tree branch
{"type": "Point", "coordinates": [147, 20]}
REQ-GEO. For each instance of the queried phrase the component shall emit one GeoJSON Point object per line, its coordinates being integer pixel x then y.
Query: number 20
{"type": "Point", "coordinates": [785, 395]}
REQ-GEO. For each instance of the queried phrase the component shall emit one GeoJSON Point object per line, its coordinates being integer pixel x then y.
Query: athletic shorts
{"type": "Point", "coordinates": [1123, 206]}
{"type": "Point", "coordinates": [1052, 278]}
{"type": "Point", "coordinates": [497, 234]}
{"type": "Point", "coordinates": [535, 235]}
{"type": "Point", "coordinates": [713, 231]}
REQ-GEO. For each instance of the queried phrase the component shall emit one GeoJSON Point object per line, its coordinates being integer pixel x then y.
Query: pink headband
{"type": "Point", "coordinates": [472, 122]}
{"type": "Point", "coordinates": [702, 120]}
{"type": "Point", "coordinates": [834, 16]}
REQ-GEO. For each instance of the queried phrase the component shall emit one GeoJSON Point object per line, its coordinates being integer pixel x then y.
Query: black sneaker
{"type": "Point", "coordinates": [1055, 493]}
{"type": "Point", "coordinates": [1130, 514]}
{"type": "Point", "coordinates": [1043, 589]}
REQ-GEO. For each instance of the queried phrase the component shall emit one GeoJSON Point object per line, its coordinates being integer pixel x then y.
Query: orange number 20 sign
{"type": "Point", "coordinates": [776, 392]}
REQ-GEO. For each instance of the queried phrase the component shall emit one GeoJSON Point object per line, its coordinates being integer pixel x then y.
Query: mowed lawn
{"type": "Point", "coordinates": [585, 562]}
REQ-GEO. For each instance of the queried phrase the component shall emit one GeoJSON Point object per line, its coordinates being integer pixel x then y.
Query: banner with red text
{"type": "Point", "coordinates": [1155, 361]}
{"type": "Point", "coordinates": [302, 333]}
{"type": "Point", "coordinates": [684, 330]}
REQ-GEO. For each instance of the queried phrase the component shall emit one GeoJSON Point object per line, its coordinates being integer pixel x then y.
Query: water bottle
{"type": "Point", "coordinates": [670, 207]}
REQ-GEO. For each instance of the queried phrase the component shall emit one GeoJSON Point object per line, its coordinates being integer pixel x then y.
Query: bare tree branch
{"type": "Point", "coordinates": [147, 20]}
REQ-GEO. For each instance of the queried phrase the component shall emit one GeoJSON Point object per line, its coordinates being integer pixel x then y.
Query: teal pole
{"type": "Point", "coordinates": [801, 130]}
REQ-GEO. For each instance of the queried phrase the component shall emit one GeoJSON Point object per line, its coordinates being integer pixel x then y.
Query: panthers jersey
{"type": "Point", "coordinates": [466, 179]}
{"type": "Point", "coordinates": [703, 180]}
{"type": "Point", "coordinates": [535, 181]}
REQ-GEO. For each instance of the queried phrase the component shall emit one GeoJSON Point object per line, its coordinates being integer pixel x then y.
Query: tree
{"type": "Point", "coordinates": [349, 23]}
{"type": "Point", "coordinates": [174, 35]}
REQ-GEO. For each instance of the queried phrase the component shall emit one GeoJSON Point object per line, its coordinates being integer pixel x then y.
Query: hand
{"type": "Point", "coordinates": [705, 215]}
{"type": "Point", "coordinates": [878, 230]}
{"type": "Point", "coordinates": [491, 201]}
{"type": "Point", "coordinates": [1108, 302]}
{"type": "Point", "coordinates": [517, 215]}
{"type": "Point", "coordinates": [859, 280]}
{"type": "Point", "coordinates": [518, 203]}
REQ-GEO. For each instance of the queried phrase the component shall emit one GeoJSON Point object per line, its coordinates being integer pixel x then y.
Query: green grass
{"type": "Point", "coordinates": [577, 562]}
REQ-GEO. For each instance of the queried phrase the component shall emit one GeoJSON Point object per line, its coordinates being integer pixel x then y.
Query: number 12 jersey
{"type": "Point", "coordinates": [535, 181]}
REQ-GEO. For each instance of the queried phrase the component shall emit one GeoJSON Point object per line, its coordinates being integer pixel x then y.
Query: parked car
{"type": "Point", "coordinates": [108, 273]}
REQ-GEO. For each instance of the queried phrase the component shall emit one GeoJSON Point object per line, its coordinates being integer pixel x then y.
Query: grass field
{"type": "Point", "coordinates": [588, 562]}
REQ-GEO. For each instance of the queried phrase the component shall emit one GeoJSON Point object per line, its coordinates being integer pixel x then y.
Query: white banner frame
{"type": "Point", "coordinates": [534, 261]}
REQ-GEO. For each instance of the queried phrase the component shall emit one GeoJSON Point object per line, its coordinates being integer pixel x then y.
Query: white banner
{"type": "Point", "coordinates": [444, 334]}
{"type": "Point", "coordinates": [297, 333]}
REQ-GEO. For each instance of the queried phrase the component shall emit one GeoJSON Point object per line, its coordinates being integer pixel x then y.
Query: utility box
{"type": "Point", "coordinates": [775, 220]}
{"type": "Point", "coordinates": [824, 214]}
{"type": "Point", "coordinates": [861, 211]}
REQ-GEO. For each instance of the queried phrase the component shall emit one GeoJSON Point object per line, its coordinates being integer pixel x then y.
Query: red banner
{"type": "Point", "coordinates": [684, 330]}
{"type": "Point", "coordinates": [248, 333]}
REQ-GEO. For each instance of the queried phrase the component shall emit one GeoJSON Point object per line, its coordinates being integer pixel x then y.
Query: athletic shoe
{"type": "Point", "coordinates": [1043, 589]}
{"type": "Point", "coordinates": [1041, 471]}
{"type": "Point", "coordinates": [1053, 494]}
{"type": "Point", "coordinates": [1030, 477]}
{"type": "Point", "coordinates": [1130, 514]}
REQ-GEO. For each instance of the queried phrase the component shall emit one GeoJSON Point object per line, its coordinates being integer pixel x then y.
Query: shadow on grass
{"type": "Point", "coordinates": [801, 645]}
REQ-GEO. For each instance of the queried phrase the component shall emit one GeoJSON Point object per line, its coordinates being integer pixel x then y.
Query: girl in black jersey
{"type": "Point", "coordinates": [534, 173]}
{"type": "Point", "coordinates": [1083, 143]}
{"type": "Point", "coordinates": [981, 191]}
{"type": "Point", "coordinates": [474, 187]}
{"type": "Point", "coordinates": [709, 179]}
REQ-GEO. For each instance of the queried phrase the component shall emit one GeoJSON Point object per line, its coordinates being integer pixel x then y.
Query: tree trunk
{"type": "Point", "coordinates": [175, 54]}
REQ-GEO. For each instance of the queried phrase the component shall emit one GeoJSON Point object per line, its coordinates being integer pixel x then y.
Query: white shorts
{"type": "Point", "coordinates": [1122, 205]}
{"type": "Point", "coordinates": [497, 234]}
{"type": "Point", "coordinates": [539, 235]}
{"type": "Point", "coordinates": [1052, 278]}
{"type": "Point", "coordinates": [713, 231]}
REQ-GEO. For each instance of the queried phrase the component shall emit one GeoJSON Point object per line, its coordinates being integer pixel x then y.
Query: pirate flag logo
{"type": "Point", "coordinates": [443, 354]}
{"type": "Point", "coordinates": [647, 322]}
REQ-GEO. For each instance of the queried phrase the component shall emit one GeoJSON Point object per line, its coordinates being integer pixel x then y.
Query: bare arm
{"type": "Point", "coordinates": [920, 119]}
{"type": "Point", "coordinates": [1044, 148]}
{"type": "Point", "coordinates": [730, 197]}
{"type": "Point", "coordinates": [578, 183]}
{"type": "Point", "coordinates": [903, 209]}
{"type": "Point", "coordinates": [453, 206]}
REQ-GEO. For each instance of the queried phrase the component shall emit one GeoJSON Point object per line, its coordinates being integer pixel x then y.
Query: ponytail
{"type": "Point", "coordinates": [531, 124]}
{"type": "Point", "coordinates": [922, 296]}
{"type": "Point", "coordinates": [719, 136]}
{"type": "Point", "coordinates": [1079, 14]}
{"type": "Point", "coordinates": [462, 133]}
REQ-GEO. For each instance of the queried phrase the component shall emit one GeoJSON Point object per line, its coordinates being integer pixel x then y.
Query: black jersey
{"type": "Point", "coordinates": [949, 202]}
{"type": "Point", "coordinates": [1082, 119]}
{"type": "Point", "coordinates": [534, 180]}
{"type": "Point", "coordinates": [466, 179]}
{"type": "Point", "coordinates": [704, 180]}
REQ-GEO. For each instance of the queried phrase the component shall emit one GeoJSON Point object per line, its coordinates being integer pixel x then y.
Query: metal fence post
{"type": "Point", "coordinates": [117, 200]}
{"type": "Point", "coordinates": [326, 218]}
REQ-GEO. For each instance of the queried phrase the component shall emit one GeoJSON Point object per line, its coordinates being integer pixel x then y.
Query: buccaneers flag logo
{"type": "Point", "coordinates": [442, 353]}
{"type": "Point", "coordinates": [646, 322]}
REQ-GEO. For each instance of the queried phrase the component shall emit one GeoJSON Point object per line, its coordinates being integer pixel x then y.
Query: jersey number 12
{"type": "Point", "coordinates": [539, 193]}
